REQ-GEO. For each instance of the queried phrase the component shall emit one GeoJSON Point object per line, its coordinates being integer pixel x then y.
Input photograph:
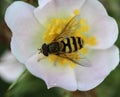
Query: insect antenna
{"type": "Point", "coordinates": [40, 50]}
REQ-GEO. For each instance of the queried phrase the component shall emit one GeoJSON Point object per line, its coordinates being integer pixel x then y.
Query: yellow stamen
{"type": "Point", "coordinates": [92, 41]}
{"type": "Point", "coordinates": [76, 12]}
{"type": "Point", "coordinates": [85, 28]}
{"type": "Point", "coordinates": [82, 21]}
{"type": "Point", "coordinates": [72, 65]}
{"type": "Point", "coordinates": [84, 50]}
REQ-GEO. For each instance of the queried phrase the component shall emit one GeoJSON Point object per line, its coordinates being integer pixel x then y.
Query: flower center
{"type": "Point", "coordinates": [77, 27]}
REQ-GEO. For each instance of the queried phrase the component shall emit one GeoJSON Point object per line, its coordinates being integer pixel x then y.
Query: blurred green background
{"type": "Point", "coordinates": [109, 88]}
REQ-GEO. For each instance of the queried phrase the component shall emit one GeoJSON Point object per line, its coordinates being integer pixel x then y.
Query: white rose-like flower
{"type": "Point", "coordinates": [10, 68]}
{"type": "Point", "coordinates": [32, 27]}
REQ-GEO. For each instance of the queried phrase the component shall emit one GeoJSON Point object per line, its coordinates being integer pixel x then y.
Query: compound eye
{"type": "Point", "coordinates": [44, 46]}
{"type": "Point", "coordinates": [45, 49]}
{"type": "Point", "coordinates": [45, 53]}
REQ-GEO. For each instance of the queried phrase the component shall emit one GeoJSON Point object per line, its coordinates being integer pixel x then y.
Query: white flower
{"type": "Point", "coordinates": [31, 27]}
{"type": "Point", "coordinates": [10, 68]}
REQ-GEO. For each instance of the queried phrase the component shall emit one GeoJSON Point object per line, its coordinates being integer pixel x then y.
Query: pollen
{"type": "Point", "coordinates": [92, 41]}
{"type": "Point", "coordinates": [84, 50]}
{"type": "Point", "coordinates": [82, 21]}
{"type": "Point", "coordinates": [72, 65]}
{"type": "Point", "coordinates": [76, 12]}
{"type": "Point", "coordinates": [53, 29]}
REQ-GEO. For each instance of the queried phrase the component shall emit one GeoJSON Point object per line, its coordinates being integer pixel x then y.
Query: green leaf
{"type": "Point", "coordinates": [29, 86]}
{"type": "Point", "coordinates": [9, 1]}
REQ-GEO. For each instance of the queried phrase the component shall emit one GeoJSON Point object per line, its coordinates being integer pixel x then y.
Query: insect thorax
{"type": "Point", "coordinates": [53, 47]}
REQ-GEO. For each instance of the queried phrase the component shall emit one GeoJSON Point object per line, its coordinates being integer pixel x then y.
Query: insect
{"type": "Point", "coordinates": [64, 43]}
{"type": "Point", "coordinates": [67, 45]}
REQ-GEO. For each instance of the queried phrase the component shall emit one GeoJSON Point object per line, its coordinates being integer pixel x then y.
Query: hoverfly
{"type": "Point", "coordinates": [64, 43]}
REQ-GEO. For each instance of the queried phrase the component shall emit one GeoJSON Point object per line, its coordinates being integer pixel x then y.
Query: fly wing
{"type": "Point", "coordinates": [69, 28]}
{"type": "Point", "coordinates": [82, 61]}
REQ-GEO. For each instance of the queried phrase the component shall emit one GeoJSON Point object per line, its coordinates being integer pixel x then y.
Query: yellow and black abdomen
{"type": "Point", "coordinates": [71, 44]}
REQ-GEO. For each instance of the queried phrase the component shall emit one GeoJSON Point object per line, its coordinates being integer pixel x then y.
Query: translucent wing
{"type": "Point", "coordinates": [82, 61]}
{"type": "Point", "coordinates": [69, 28]}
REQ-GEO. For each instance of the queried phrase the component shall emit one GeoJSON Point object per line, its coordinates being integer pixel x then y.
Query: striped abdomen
{"type": "Point", "coordinates": [72, 44]}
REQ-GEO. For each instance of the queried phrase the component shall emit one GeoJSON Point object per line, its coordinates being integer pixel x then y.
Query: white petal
{"type": "Point", "coordinates": [103, 27]}
{"type": "Point", "coordinates": [20, 19]}
{"type": "Point", "coordinates": [10, 68]}
{"type": "Point", "coordinates": [46, 10]}
{"type": "Point", "coordinates": [103, 62]}
{"type": "Point", "coordinates": [56, 8]}
{"type": "Point", "coordinates": [92, 10]}
{"type": "Point", "coordinates": [68, 6]}
{"type": "Point", "coordinates": [105, 30]}
{"type": "Point", "coordinates": [53, 8]}
{"type": "Point", "coordinates": [54, 75]}
{"type": "Point", "coordinates": [43, 3]}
